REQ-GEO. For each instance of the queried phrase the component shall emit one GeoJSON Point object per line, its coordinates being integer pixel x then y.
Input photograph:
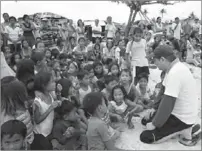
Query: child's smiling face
{"type": "Point", "coordinates": [143, 82]}
{"type": "Point", "coordinates": [114, 70]}
{"type": "Point", "coordinates": [118, 95]}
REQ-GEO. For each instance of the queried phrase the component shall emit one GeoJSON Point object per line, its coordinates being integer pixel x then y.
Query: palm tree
{"type": "Point", "coordinates": [192, 15]}
{"type": "Point", "coordinates": [163, 11]}
{"type": "Point", "coordinates": [145, 12]}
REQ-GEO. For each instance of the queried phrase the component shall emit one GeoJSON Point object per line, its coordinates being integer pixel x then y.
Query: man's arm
{"type": "Point", "coordinates": [164, 111]}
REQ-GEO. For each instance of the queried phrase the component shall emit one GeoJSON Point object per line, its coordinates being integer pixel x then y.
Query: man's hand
{"type": "Point", "coordinates": [150, 126]}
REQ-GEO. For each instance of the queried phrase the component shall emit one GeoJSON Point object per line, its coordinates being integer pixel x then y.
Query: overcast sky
{"type": "Point", "coordinates": [96, 9]}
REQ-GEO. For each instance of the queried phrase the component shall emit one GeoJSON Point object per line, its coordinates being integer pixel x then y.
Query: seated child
{"type": "Point", "coordinates": [13, 134]}
{"type": "Point", "coordinates": [110, 82]}
{"type": "Point", "coordinates": [83, 77]}
{"type": "Point", "coordinates": [69, 131]}
{"type": "Point", "coordinates": [121, 107]}
{"type": "Point", "coordinates": [145, 98]}
{"type": "Point", "coordinates": [114, 69]}
{"type": "Point", "coordinates": [158, 93]}
{"type": "Point", "coordinates": [99, 134]}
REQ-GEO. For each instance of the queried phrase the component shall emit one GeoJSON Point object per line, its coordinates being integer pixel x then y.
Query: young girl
{"type": "Point", "coordinates": [122, 107]}
{"type": "Point", "coordinates": [97, 51]}
{"type": "Point", "coordinates": [109, 50]}
{"type": "Point", "coordinates": [26, 49]}
{"type": "Point", "coordinates": [136, 48]}
{"type": "Point", "coordinates": [44, 104]}
{"type": "Point", "coordinates": [114, 69]}
{"type": "Point", "coordinates": [15, 59]}
{"type": "Point", "coordinates": [14, 104]}
{"type": "Point", "coordinates": [126, 82]}
{"type": "Point", "coordinates": [100, 135]}
{"type": "Point", "coordinates": [72, 44]}
{"type": "Point", "coordinates": [145, 98]}
{"type": "Point", "coordinates": [98, 69]}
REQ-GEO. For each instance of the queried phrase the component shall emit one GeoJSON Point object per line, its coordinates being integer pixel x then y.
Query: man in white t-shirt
{"type": "Point", "coordinates": [178, 108]}
{"type": "Point", "coordinates": [110, 28]}
{"type": "Point", "coordinates": [14, 35]}
{"type": "Point", "coordinates": [97, 30]}
{"type": "Point", "coordinates": [176, 27]}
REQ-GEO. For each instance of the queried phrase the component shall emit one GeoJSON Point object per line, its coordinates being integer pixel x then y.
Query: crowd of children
{"type": "Point", "coordinates": [75, 94]}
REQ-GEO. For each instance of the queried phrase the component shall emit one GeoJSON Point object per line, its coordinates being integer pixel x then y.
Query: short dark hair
{"type": "Point", "coordinates": [41, 80]}
{"type": "Point", "coordinates": [127, 71]}
{"type": "Point", "coordinates": [66, 107]}
{"type": "Point", "coordinates": [12, 17]}
{"type": "Point", "coordinates": [143, 75]}
{"type": "Point", "coordinates": [63, 56]}
{"type": "Point", "coordinates": [55, 53]}
{"type": "Point", "coordinates": [91, 102]}
{"type": "Point", "coordinates": [5, 14]}
{"type": "Point", "coordinates": [88, 67]}
{"type": "Point", "coordinates": [109, 78]}
{"type": "Point", "coordinates": [13, 127]}
{"type": "Point", "coordinates": [81, 74]}
{"type": "Point", "coordinates": [37, 56]}
{"type": "Point", "coordinates": [137, 30]}
{"type": "Point", "coordinates": [24, 16]}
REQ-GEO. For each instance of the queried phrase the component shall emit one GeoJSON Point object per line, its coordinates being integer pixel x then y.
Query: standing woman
{"type": "Point", "coordinates": [71, 29]}
{"type": "Point", "coordinates": [159, 25]}
{"type": "Point", "coordinates": [37, 25]}
{"type": "Point", "coordinates": [28, 28]}
{"type": "Point", "coordinates": [80, 29]}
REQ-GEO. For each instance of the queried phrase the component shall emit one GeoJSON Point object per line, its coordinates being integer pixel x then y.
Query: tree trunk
{"type": "Point", "coordinates": [129, 21]}
{"type": "Point", "coordinates": [128, 28]}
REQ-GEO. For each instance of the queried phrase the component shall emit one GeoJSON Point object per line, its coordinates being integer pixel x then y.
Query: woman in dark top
{"type": "Point", "coordinates": [28, 28]}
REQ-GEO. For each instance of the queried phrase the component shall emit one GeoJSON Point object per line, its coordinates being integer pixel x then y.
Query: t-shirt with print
{"type": "Point", "coordinates": [98, 133]}
{"type": "Point", "coordinates": [183, 88]}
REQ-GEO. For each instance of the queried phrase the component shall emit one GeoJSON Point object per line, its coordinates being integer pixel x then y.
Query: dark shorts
{"type": "Point", "coordinates": [15, 48]}
{"type": "Point", "coordinates": [171, 127]}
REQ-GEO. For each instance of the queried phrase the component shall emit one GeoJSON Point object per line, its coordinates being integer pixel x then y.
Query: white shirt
{"type": "Point", "coordinates": [111, 30]}
{"type": "Point", "coordinates": [138, 53]}
{"type": "Point", "coordinates": [180, 83]}
{"type": "Point", "coordinates": [97, 28]}
{"type": "Point", "coordinates": [13, 34]}
{"type": "Point", "coordinates": [119, 109]}
{"type": "Point", "coordinates": [177, 31]}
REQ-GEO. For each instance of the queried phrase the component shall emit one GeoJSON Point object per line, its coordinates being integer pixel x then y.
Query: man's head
{"type": "Point", "coordinates": [6, 17]}
{"type": "Point", "coordinates": [177, 20]}
{"type": "Point", "coordinates": [96, 21]}
{"type": "Point", "coordinates": [163, 57]}
{"type": "Point", "coordinates": [12, 20]}
{"type": "Point", "coordinates": [109, 19]}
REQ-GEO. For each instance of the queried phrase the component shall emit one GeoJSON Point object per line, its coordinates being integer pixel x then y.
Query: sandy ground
{"type": "Point", "coordinates": [130, 138]}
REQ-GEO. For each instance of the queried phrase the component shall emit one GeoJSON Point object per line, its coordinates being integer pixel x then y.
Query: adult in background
{"type": "Point", "coordinates": [187, 28]}
{"type": "Point", "coordinates": [177, 28]}
{"type": "Point", "coordinates": [13, 35]}
{"type": "Point", "coordinates": [178, 108]}
{"type": "Point", "coordinates": [80, 29]}
{"type": "Point", "coordinates": [3, 25]}
{"type": "Point", "coordinates": [71, 29]}
{"type": "Point", "coordinates": [28, 28]}
{"type": "Point", "coordinates": [37, 25]}
{"type": "Point", "coordinates": [97, 30]}
{"type": "Point", "coordinates": [158, 25]}
{"type": "Point", "coordinates": [110, 29]}
{"type": "Point", "coordinates": [196, 25]}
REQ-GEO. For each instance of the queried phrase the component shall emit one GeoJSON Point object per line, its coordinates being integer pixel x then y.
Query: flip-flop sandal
{"type": "Point", "coordinates": [191, 142]}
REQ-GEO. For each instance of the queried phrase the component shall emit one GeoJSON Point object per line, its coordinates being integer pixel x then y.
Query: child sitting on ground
{"type": "Point", "coordinates": [100, 135]}
{"type": "Point", "coordinates": [145, 98]}
{"type": "Point", "coordinates": [83, 77]}
{"type": "Point", "coordinates": [122, 108]}
{"type": "Point", "coordinates": [13, 135]}
{"type": "Point", "coordinates": [110, 82]}
{"type": "Point", "coordinates": [69, 131]}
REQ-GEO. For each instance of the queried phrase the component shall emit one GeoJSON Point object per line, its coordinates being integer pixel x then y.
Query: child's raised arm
{"type": "Point", "coordinates": [38, 117]}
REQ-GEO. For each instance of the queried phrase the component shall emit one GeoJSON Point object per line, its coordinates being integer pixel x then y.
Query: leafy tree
{"type": "Point", "coordinates": [136, 5]}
